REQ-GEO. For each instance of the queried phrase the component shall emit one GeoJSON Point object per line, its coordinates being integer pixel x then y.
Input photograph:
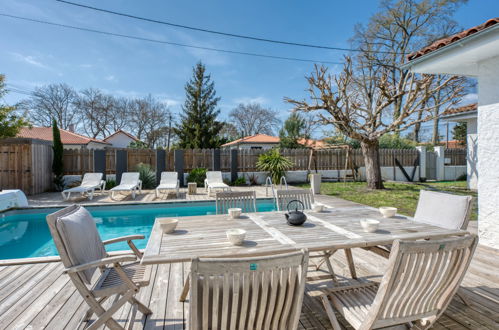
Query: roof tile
{"type": "Point", "coordinates": [45, 133]}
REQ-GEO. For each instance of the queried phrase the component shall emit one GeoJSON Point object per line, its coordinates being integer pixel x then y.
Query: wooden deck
{"type": "Point", "coordinates": [37, 296]}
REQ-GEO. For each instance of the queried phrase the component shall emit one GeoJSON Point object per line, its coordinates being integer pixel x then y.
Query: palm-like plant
{"type": "Point", "coordinates": [147, 176]}
{"type": "Point", "coordinates": [274, 163]}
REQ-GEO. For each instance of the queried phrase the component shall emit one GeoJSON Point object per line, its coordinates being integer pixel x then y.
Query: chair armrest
{"type": "Point", "coordinates": [101, 262]}
{"type": "Point", "coordinates": [178, 183]}
{"type": "Point", "coordinates": [122, 239]}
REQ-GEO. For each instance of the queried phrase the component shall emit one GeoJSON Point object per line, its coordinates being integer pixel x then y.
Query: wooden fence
{"type": "Point", "coordinates": [27, 165]}
{"type": "Point", "coordinates": [455, 156]}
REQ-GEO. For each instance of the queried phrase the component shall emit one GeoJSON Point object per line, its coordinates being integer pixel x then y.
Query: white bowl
{"type": "Point", "coordinates": [167, 225]}
{"type": "Point", "coordinates": [388, 211]}
{"type": "Point", "coordinates": [316, 207]}
{"type": "Point", "coordinates": [236, 236]}
{"type": "Point", "coordinates": [369, 225]}
{"type": "Point", "coordinates": [235, 213]}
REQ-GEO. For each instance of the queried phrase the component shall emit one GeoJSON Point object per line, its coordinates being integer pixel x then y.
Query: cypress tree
{"type": "Point", "coordinates": [199, 127]}
{"type": "Point", "coordinates": [57, 165]}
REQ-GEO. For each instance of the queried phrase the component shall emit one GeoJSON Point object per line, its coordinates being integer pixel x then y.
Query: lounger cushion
{"type": "Point", "coordinates": [443, 210]}
{"type": "Point", "coordinates": [81, 239]}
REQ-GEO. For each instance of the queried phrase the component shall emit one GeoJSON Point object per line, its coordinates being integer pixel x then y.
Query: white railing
{"type": "Point", "coordinates": [268, 182]}
{"type": "Point", "coordinates": [283, 178]}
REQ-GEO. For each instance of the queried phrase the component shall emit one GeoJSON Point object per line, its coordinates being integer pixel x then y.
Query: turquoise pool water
{"type": "Point", "coordinates": [25, 234]}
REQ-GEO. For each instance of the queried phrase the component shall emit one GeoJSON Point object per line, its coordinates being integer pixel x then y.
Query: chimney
{"type": "Point", "coordinates": [71, 128]}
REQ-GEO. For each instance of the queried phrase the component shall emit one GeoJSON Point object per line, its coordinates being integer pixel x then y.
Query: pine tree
{"type": "Point", "coordinates": [198, 126]}
{"type": "Point", "coordinates": [57, 165]}
{"type": "Point", "coordinates": [292, 131]}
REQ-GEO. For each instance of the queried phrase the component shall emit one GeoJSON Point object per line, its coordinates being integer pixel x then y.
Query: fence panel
{"type": "Point", "coordinates": [455, 156]}
{"type": "Point", "coordinates": [78, 161]}
{"type": "Point", "coordinates": [137, 156]}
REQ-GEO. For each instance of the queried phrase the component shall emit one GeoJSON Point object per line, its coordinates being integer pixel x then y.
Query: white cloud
{"type": "Point", "coordinates": [30, 60]}
{"type": "Point", "coordinates": [469, 98]}
{"type": "Point", "coordinates": [259, 99]}
{"type": "Point", "coordinates": [110, 78]}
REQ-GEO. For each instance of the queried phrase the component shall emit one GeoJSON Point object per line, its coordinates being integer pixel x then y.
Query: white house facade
{"type": "Point", "coordinates": [475, 53]}
{"type": "Point", "coordinates": [120, 139]}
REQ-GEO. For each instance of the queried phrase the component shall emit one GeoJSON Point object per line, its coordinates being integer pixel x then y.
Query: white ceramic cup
{"type": "Point", "coordinates": [168, 225]}
{"type": "Point", "coordinates": [317, 207]}
{"type": "Point", "coordinates": [235, 213]}
{"type": "Point", "coordinates": [369, 225]}
{"type": "Point", "coordinates": [387, 211]}
{"type": "Point", "coordinates": [236, 236]}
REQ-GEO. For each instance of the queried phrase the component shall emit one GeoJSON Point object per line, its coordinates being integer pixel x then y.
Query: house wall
{"type": "Point", "coordinates": [472, 157]}
{"type": "Point", "coordinates": [120, 140]}
{"type": "Point", "coordinates": [264, 146]}
{"type": "Point", "coordinates": [488, 152]}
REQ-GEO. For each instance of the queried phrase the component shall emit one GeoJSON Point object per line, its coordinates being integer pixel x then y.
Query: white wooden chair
{"type": "Point", "coordinates": [283, 197]}
{"type": "Point", "coordinates": [82, 252]}
{"type": "Point", "coordinates": [169, 181]}
{"type": "Point", "coordinates": [89, 183]}
{"type": "Point", "coordinates": [129, 182]}
{"type": "Point", "coordinates": [213, 181]}
{"type": "Point", "coordinates": [421, 280]}
{"type": "Point", "coordinates": [248, 293]}
{"type": "Point", "coordinates": [246, 200]}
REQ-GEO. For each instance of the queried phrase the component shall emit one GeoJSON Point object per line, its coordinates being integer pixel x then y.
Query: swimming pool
{"type": "Point", "coordinates": [25, 234]}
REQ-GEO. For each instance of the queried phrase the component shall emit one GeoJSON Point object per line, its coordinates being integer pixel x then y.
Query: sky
{"type": "Point", "coordinates": [33, 54]}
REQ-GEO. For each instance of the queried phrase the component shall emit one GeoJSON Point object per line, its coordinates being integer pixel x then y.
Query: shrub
{"type": "Point", "coordinates": [147, 176]}
{"type": "Point", "coordinates": [462, 177]}
{"type": "Point", "coordinates": [241, 181]}
{"type": "Point", "coordinates": [197, 175]}
{"type": "Point", "coordinates": [110, 183]}
{"type": "Point", "coordinates": [393, 141]}
{"type": "Point", "coordinates": [274, 163]}
{"type": "Point", "coordinates": [253, 180]}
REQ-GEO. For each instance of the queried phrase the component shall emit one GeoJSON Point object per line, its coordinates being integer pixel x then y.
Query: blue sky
{"type": "Point", "coordinates": [32, 54]}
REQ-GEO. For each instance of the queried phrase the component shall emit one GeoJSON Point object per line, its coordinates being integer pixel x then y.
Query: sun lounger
{"type": "Point", "coordinates": [90, 182]}
{"type": "Point", "coordinates": [169, 181]}
{"type": "Point", "coordinates": [129, 182]}
{"type": "Point", "coordinates": [214, 181]}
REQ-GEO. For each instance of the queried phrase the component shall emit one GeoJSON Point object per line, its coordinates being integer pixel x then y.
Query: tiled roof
{"type": "Point", "coordinates": [45, 133]}
{"type": "Point", "coordinates": [257, 138]}
{"type": "Point", "coordinates": [122, 132]}
{"type": "Point", "coordinates": [448, 40]}
{"type": "Point", "coordinates": [466, 108]}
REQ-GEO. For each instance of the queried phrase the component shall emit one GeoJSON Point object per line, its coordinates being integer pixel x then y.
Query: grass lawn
{"type": "Point", "coordinates": [403, 196]}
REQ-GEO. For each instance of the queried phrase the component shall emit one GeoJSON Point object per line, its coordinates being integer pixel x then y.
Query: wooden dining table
{"type": "Point", "coordinates": [268, 233]}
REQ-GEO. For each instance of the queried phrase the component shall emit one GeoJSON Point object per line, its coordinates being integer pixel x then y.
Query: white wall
{"type": "Point", "coordinates": [488, 152]}
{"type": "Point", "coordinates": [120, 140]}
{"type": "Point", "coordinates": [264, 146]}
{"type": "Point", "coordinates": [471, 155]}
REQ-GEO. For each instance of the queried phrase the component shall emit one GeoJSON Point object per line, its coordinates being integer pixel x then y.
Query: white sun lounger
{"type": "Point", "coordinates": [90, 182]}
{"type": "Point", "coordinates": [214, 181]}
{"type": "Point", "coordinates": [129, 182]}
{"type": "Point", "coordinates": [169, 181]}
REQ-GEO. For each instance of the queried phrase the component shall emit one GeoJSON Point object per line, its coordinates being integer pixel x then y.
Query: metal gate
{"type": "Point", "coordinates": [431, 165]}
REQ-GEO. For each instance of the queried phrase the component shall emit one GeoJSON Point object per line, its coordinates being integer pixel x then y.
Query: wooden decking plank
{"type": "Point", "coordinates": [17, 280]}
{"type": "Point", "coordinates": [174, 317]}
{"type": "Point", "coordinates": [158, 299]}
{"type": "Point", "coordinates": [67, 310]}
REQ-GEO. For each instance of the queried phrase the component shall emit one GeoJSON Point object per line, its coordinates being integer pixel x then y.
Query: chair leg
{"type": "Point", "coordinates": [330, 269]}
{"type": "Point", "coordinates": [330, 312]}
{"type": "Point", "coordinates": [107, 317]}
{"type": "Point", "coordinates": [185, 290]}
{"type": "Point", "coordinates": [463, 297]}
{"type": "Point", "coordinates": [351, 265]}
{"type": "Point", "coordinates": [142, 308]}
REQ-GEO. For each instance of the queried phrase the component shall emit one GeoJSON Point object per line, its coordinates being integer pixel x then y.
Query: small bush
{"type": "Point", "coordinates": [110, 183]}
{"type": "Point", "coordinates": [253, 180]}
{"type": "Point", "coordinates": [274, 164]}
{"type": "Point", "coordinates": [147, 176]}
{"type": "Point", "coordinates": [241, 181]}
{"type": "Point", "coordinates": [462, 177]}
{"type": "Point", "coordinates": [197, 175]}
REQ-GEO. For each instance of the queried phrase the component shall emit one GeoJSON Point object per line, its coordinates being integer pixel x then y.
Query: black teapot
{"type": "Point", "coordinates": [295, 217]}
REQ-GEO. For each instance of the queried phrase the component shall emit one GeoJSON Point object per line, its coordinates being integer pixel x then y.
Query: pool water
{"type": "Point", "coordinates": [25, 234]}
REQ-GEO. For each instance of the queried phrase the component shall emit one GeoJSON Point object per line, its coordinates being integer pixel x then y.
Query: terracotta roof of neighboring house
{"type": "Point", "coordinates": [45, 133]}
{"type": "Point", "coordinates": [267, 139]}
{"type": "Point", "coordinates": [448, 40]}
{"type": "Point", "coordinates": [466, 108]}
{"type": "Point", "coordinates": [123, 132]}
{"type": "Point", "coordinates": [257, 138]}
{"type": "Point", "coordinates": [453, 144]}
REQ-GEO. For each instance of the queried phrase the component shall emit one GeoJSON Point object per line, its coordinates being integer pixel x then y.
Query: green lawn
{"type": "Point", "coordinates": [403, 196]}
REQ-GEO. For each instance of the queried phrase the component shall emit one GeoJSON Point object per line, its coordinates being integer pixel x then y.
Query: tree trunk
{"type": "Point", "coordinates": [370, 151]}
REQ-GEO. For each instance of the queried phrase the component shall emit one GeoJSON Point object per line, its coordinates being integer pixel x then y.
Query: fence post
{"type": "Point", "coordinates": [440, 163]}
{"type": "Point", "coordinates": [216, 160]}
{"type": "Point", "coordinates": [233, 165]}
{"type": "Point", "coordinates": [178, 164]}
{"type": "Point", "coordinates": [100, 162]}
{"type": "Point", "coordinates": [121, 164]}
{"type": "Point", "coordinates": [160, 163]}
{"type": "Point", "coordinates": [422, 162]}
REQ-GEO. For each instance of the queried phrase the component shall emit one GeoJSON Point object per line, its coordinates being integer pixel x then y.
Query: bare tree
{"type": "Point", "coordinates": [359, 104]}
{"type": "Point", "coordinates": [151, 120]}
{"type": "Point", "coordinates": [55, 101]}
{"type": "Point", "coordinates": [252, 118]}
{"type": "Point", "coordinates": [98, 112]}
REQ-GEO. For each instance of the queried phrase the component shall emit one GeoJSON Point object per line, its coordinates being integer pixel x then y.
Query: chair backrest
{"type": "Point", "coordinates": [91, 179]}
{"type": "Point", "coordinates": [214, 176]}
{"type": "Point", "coordinates": [246, 200]}
{"type": "Point", "coordinates": [248, 293]}
{"type": "Point", "coordinates": [443, 210]}
{"type": "Point", "coordinates": [76, 238]}
{"type": "Point", "coordinates": [130, 178]}
{"type": "Point", "coordinates": [421, 279]}
{"type": "Point", "coordinates": [169, 178]}
{"type": "Point", "coordinates": [283, 197]}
